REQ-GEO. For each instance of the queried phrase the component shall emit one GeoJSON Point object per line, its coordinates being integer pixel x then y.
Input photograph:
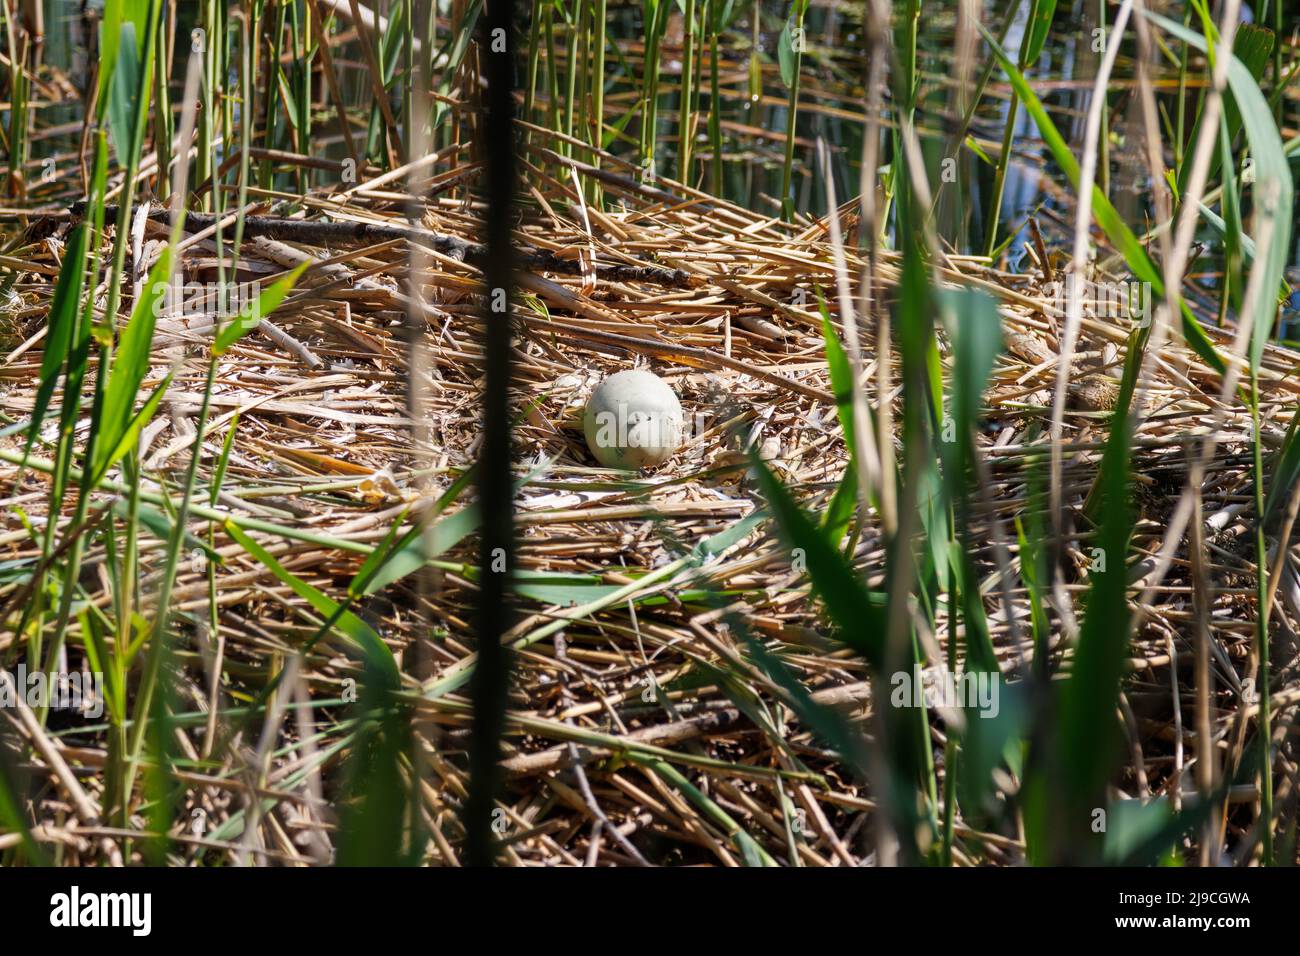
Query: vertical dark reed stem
{"type": "Point", "coordinates": [496, 546]}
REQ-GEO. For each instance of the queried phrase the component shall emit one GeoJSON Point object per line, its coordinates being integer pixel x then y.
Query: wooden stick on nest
{"type": "Point", "coordinates": [314, 232]}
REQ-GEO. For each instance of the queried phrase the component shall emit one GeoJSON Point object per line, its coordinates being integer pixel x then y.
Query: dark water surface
{"type": "Point", "coordinates": [831, 108]}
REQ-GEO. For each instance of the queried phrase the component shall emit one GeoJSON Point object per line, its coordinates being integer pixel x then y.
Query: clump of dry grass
{"type": "Point", "coordinates": [612, 696]}
{"type": "Point", "coordinates": [680, 676]}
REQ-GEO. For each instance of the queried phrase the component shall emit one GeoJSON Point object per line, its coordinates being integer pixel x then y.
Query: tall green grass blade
{"type": "Point", "coordinates": [376, 813]}
{"type": "Point", "coordinates": [827, 723]}
{"type": "Point", "coordinates": [1251, 45]}
{"type": "Point", "coordinates": [1273, 191]}
{"type": "Point", "coordinates": [1233, 232]}
{"type": "Point", "coordinates": [976, 332]}
{"type": "Point", "coordinates": [413, 551]}
{"type": "Point", "coordinates": [991, 739]}
{"type": "Point", "coordinates": [1040, 25]}
{"type": "Point", "coordinates": [787, 61]}
{"type": "Point", "coordinates": [1112, 224]}
{"type": "Point", "coordinates": [131, 433]}
{"type": "Point", "coordinates": [973, 321]}
{"type": "Point", "coordinates": [836, 520]}
{"type": "Point", "coordinates": [1147, 833]}
{"type": "Point", "coordinates": [118, 16]}
{"type": "Point", "coordinates": [1286, 471]}
{"type": "Point", "coordinates": [251, 314]}
{"type": "Point", "coordinates": [223, 461]}
{"type": "Point", "coordinates": [362, 636]}
{"type": "Point", "coordinates": [65, 310]}
{"type": "Point", "coordinates": [790, 47]}
{"type": "Point", "coordinates": [1089, 734]}
{"type": "Point", "coordinates": [750, 850]}
{"type": "Point", "coordinates": [123, 94]}
{"type": "Point", "coordinates": [162, 526]}
{"type": "Point", "coordinates": [131, 365]}
{"type": "Point", "coordinates": [12, 819]}
{"type": "Point", "coordinates": [859, 618]}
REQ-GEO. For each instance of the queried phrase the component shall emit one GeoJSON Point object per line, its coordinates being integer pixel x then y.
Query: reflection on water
{"type": "Point", "coordinates": [831, 107]}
